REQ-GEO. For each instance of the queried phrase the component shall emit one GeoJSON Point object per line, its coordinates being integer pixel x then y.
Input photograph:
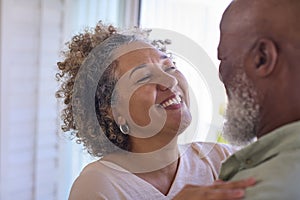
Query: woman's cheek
{"type": "Point", "coordinates": [140, 104]}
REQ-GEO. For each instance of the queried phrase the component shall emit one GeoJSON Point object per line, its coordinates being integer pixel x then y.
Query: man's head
{"type": "Point", "coordinates": [259, 52]}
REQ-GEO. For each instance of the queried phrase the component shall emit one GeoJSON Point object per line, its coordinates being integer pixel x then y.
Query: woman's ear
{"type": "Point", "coordinates": [121, 120]}
{"type": "Point", "coordinates": [265, 57]}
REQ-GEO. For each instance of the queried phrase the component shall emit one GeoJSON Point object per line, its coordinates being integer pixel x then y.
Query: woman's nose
{"type": "Point", "coordinates": [161, 87]}
{"type": "Point", "coordinates": [167, 82]}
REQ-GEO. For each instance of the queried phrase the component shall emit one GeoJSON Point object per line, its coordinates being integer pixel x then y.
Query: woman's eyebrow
{"type": "Point", "coordinates": [137, 68]}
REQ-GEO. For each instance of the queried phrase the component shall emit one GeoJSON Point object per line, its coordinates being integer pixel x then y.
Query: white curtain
{"type": "Point", "coordinates": [30, 34]}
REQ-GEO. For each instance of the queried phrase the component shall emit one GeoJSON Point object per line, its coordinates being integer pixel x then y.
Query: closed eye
{"type": "Point", "coordinates": [144, 79]}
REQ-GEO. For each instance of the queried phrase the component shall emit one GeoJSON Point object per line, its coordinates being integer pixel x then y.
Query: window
{"type": "Point", "coordinates": [195, 22]}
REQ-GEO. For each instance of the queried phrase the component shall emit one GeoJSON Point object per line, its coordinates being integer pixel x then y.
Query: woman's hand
{"type": "Point", "coordinates": [219, 190]}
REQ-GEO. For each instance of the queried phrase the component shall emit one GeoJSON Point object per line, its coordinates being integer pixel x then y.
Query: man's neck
{"type": "Point", "coordinates": [271, 123]}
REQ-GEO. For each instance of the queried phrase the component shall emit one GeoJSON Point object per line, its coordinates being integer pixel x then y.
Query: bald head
{"type": "Point", "coordinates": [276, 19]}
{"type": "Point", "coordinates": [260, 40]}
{"type": "Point", "coordinates": [262, 24]}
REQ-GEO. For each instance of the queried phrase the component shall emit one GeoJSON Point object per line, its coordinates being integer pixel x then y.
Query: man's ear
{"type": "Point", "coordinates": [265, 57]}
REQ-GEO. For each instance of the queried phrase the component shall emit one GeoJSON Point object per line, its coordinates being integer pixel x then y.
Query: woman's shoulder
{"type": "Point", "coordinates": [95, 180]}
{"type": "Point", "coordinates": [213, 150]}
{"type": "Point", "coordinates": [201, 157]}
{"type": "Point", "coordinates": [95, 172]}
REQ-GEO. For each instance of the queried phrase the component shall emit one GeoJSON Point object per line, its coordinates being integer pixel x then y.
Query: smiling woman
{"type": "Point", "coordinates": [127, 102]}
{"type": "Point", "coordinates": [154, 83]}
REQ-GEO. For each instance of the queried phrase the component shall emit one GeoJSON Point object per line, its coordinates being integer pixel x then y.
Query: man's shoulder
{"type": "Point", "coordinates": [277, 178]}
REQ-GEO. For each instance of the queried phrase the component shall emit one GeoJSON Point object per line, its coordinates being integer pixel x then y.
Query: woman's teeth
{"type": "Point", "coordinates": [175, 100]}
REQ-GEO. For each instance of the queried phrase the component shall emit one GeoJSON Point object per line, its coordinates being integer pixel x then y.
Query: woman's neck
{"type": "Point", "coordinates": [161, 179]}
{"type": "Point", "coordinates": [156, 143]}
{"type": "Point", "coordinates": [142, 161]}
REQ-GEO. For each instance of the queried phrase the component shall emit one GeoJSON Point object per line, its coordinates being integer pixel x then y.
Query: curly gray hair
{"type": "Point", "coordinates": [88, 78]}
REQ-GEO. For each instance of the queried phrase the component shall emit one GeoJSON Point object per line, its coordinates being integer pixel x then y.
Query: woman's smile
{"type": "Point", "coordinates": [172, 102]}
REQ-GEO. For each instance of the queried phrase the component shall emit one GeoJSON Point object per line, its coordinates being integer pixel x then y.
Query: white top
{"type": "Point", "coordinates": [198, 165]}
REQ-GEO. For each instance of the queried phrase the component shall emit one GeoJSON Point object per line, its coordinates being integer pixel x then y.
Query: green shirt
{"type": "Point", "coordinates": [273, 160]}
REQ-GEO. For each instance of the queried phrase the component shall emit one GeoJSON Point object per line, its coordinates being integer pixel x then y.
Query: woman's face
{"type": "Point", "coordinates": [151, 94]}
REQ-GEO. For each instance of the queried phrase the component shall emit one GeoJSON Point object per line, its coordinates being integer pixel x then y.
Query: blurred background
{"type": "Point", "coordinates": [36, 160]}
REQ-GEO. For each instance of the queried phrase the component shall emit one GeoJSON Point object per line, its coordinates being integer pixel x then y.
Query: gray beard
{"type": "Point", "coordinates": [242, 112]}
